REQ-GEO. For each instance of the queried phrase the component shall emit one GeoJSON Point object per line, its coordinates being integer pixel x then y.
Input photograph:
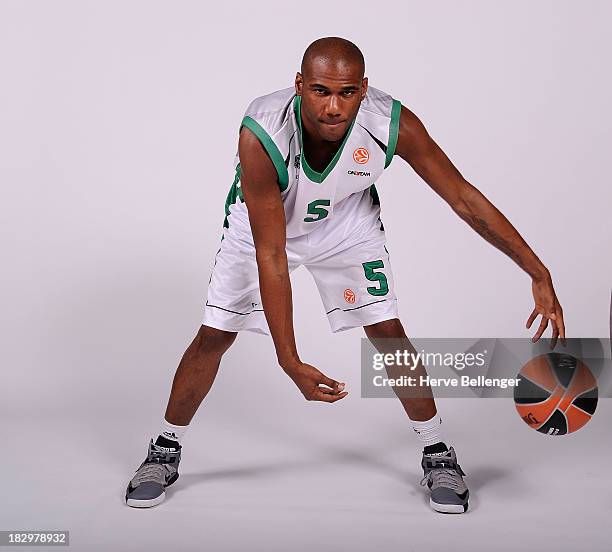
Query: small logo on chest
{"type": "Point", "coordinates": [361, 156]}
{"type": "Point", "coordinates": [358, 173]}
{"type": "Point", "coordinates": [296, 166]}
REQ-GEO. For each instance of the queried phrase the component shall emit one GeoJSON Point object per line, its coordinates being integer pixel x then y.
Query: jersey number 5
{"type": "Point", "coordinates": [315, 208]}
{"type": "Point", "coordinates": [379, 277]}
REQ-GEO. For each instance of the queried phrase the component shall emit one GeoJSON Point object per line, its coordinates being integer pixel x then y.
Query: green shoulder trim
{"type": "Point", "coordinates": [271, 148]}
{"type": "Point", "coordinates": [393, 131]}
{"type": "Point", "coordinates": [234, 194]}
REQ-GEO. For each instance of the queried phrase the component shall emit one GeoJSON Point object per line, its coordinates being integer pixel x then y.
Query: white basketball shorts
{"type": "Point", "coordinates": [346, 255]}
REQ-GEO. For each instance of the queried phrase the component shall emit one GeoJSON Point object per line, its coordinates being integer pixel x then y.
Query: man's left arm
{"type": "Point", "coordinates": [416, 147]}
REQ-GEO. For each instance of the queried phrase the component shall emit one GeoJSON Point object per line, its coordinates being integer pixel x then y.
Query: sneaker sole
{"type": "Point", "coordinates": [449, 508]}
{"type": "Point", "coordinates": [136, 503]}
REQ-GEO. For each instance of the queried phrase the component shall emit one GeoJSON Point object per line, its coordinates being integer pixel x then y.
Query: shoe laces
{"type": "Point", "coordinates": [446, 474]}
{"type": "Point", "coordinates": [154, 466]}
{"type": "Point", "coordinates": [149, 471]}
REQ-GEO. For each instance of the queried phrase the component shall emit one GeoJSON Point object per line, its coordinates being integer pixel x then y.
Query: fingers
{"type": "Point", "coordinates": [329, 391]}
{"type": "Point", "coordinates": [335, 386]}
{"type": "Point", "coordinates": [557, 323]}
{"type": "Point", "coordinates": [555, 335]}
{"type": "Point", "coordinates": [531, 318]}
{"type": "Point", "coordinates": [332, 393]}
{"type": "Point", "coordinates": [543, 325]}
{"type": "Point", "coordinates": [328, 397]}
{"type": "Point", "coordinates": [547, 305]}
{"type": "Point", "coordinates": [561, 325]}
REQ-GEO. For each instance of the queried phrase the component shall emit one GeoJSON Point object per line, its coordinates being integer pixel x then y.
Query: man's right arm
{"type": "Point", "coordinates": [261, 192]}
{"type": "Point", "coordinates": [259, 182]}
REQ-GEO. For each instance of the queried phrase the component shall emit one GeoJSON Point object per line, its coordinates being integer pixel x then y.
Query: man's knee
{"type": "Point", "coordinates": [212, 340]}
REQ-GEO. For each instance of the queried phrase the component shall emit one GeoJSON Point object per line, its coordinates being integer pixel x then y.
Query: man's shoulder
{"type": "Point", "coordinates": [271, 107]}
{"type": "Point", "coordinates": [377, 103]}
{"type": "Point", "coordinates": [379, 116]}
{"type": "Point", "coordinates": [270, 118]}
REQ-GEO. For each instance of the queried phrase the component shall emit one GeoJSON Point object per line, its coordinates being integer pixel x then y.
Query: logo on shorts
{"type": "Point", "coordinates": [349, 295]}
{"type": "Point", "coordinates": [361, 156]}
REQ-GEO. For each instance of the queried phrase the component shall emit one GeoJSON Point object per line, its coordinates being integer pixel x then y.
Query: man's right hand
{"type": "Point", "coordinates": [314, 385]}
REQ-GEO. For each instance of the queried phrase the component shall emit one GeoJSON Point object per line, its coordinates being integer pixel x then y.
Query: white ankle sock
{"type": "Point", "coordinates": [429, 431]}
{"type": "Point", "coordinates": [173, 432]}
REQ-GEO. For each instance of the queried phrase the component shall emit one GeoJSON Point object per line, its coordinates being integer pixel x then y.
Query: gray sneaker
{"type": "Point", "coordinates": [158, 471]}
{"type": "Point", "coordinates": [449, 493]}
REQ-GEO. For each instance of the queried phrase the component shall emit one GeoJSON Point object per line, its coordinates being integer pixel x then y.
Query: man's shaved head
{"type": "Point", "coordinates": [331, 87]}
{"type": "Point", "coordinates": [333, 51]}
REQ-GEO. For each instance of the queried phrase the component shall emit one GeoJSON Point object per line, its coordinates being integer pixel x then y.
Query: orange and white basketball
{"type": "Point", "coordinates": [557, 394]}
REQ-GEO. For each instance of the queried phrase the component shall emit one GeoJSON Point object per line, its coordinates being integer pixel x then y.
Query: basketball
{"type": "Point", "coordinates": [557, 394]}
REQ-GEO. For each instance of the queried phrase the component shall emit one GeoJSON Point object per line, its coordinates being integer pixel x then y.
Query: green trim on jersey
{"type": "Point", "coordinates": [376, 201]}
{"type": "Point", "coordinates": [393, 131]}
{"type": "Point", "coordinates": [234, 194]}
{"type": "Point", "coordinates": [374, 194]}
{"type": "Point", "coordinates": [308, 170]}
{"type": "Point", "coordinates": [271, 148]}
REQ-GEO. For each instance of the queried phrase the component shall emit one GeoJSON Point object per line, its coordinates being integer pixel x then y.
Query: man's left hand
{"type": "Point", "coordinates": [547, 305]}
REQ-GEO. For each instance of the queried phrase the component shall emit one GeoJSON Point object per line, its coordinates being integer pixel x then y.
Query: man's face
{"type": "Point", "coordinates": [331, 96]}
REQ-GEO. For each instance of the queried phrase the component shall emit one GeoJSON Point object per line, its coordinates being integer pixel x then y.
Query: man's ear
{"type": "Point", "coordinates": [364, 88]}
{"type": "Point", "coordinates": [298, 83]}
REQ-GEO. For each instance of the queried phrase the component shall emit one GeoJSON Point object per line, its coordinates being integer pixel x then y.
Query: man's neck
{"type": "Point", "coordinates": [319, 152]}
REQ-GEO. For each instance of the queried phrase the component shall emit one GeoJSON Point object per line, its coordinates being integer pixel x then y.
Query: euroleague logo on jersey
{"type": "Point", "coordinates": [349, 295]}
{"type": "Point", "coordinates": [361, 156]}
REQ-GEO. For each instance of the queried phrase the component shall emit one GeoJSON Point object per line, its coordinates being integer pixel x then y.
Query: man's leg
{"type": "Point", "coordinates": [389, 336]}
{"type": "Point", "coordinates": [192, 381]}
{"type": "Point", "coordinates": [196, 372]}
{"type": "Point", "coordinates": [353, 274]}
{"type": "Point", "coordinates": [441, 471]}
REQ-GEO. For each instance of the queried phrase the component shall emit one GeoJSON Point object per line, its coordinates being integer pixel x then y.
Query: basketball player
{"type": "Point", "coordinates": [304, 194]}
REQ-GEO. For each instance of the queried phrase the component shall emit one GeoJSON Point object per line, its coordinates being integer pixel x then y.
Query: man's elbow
{"type": "Point", "coordinates": [466, 200]}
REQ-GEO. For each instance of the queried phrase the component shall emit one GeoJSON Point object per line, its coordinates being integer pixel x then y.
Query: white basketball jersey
{"type": "Point", "coordinates": [310, 197]}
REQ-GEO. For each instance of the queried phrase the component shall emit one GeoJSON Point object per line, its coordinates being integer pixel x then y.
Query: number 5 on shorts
{"type": "Point", "coordinates": [379, 277]}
